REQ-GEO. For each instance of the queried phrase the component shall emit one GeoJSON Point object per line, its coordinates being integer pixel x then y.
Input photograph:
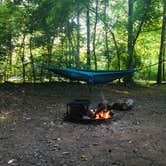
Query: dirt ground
{"type": "Point", "coordinates": [32, 130]}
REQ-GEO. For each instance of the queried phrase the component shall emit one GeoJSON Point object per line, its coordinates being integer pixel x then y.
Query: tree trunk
{"type": "Point", "coordinates": [88, 39]}
{"type": "Point", "coordinates": [130, 46]}
{"type": "Point", "coordinates": [130, 33]}
{"type": "Point", "coordinates": [8, 66]}
{"type": "Point", "coordinates": [10, 50]}
{"type": "Point", "coordinates": [164, 63]}
{"type": "Point", "coordinates": [70, 57]}
{"type": "Point", "coordinates": [78, 37]}
{"type": "Point", "coordinates": [41, 72]}
{"type": "Point", "coordinates": [49, 51]}
{"type": "Point", "coordinates": [23, 57]}
{"type": "Point", "coordinates": [94, 35]}
{"type": "Point", "coordinates": [72, 51]}
{"type": "Point", "coordinates": [117, 50]}
{"type": "Point", "coordinates": [32, 60]}
{"type": "Point", "coordinates": [161, 54]}
{"type": "Point", "coordinates": [107, 53]}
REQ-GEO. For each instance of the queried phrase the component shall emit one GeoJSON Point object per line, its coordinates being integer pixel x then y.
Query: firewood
{"type": "Point", "coordinates": [101, 107]}
{"type": "Point", "coordinates": [123, 105]}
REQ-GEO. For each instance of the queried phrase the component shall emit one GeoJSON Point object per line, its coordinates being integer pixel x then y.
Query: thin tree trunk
{"type": "Point", "coordinates": [94, 36]}
{"type": "Point", "coordinates": [164, 63]}
{"type": "Point", "coordinates": [130, 45]}
{"type": "Point", "coordinates": [112, 34]}
{"type": "Point", "coordinates": [62, 50]}
{"type": "Point", "coordinates": [149, 71]}
{"type": "Point", "coordinates": [67, 48]}
{"type": "Point", "coordinates": [72, 50]}
{"type": "Point", "coordinates": [70, 53]}
{"type": "Point", "coordinates": [5, 76]}
{"type": "Point", "coordinates": [23, 57]}
{"type": "Point", "coordinates": [117, 50]}
{"type": "Point", "coordinates": [161, 55]}
{"type": "Point", "coordinates": [130, 33]}
{"type": "Point", "coordinates": [107, 53]}
{"type": "Point", "coordinates": [41, 72]}
{"type": "Point", "coordinates": [10, 50]}
{"type": "Point", "coordinates": [78, 37]}
{"type": "Point", "coordinates": [49, 52]}
{"type": "Point", "coordinates": [32, 60]}
{"type": "Point", "coordinates": [88, 39]}
{"type": "Point", "coordinates": [8, 66]}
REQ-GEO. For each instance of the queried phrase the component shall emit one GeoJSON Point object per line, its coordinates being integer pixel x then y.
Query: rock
{"type": "Point", "coordinates": [65, 153]}
{"type": "Point", "coordinates": [11, 161]}
{"type": "Point", "coordinates": [59, 139]}
{"type": "Point", "coordinates": [123, 105]}
{"type": "Point", "coordinates": [109, 150]}
{"type": "Point", "coordinates": [130, 141]}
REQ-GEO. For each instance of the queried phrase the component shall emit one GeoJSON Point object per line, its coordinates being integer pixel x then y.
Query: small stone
{"type": "Point", "coordinates": [109, 150]}
{"type": "Point", "coordinates": [65, 153]}
{"type": "Point", "coordinates": [51, 124]}
{"type": "Point", "coordinates": [59, 139]}
{"type": "Point", "coordinates": [11, 161]}
{"type": "Point", "coordinates": [130, 141]}
{"type": "Point", "coordinates": [135, 150]}
{"type": "Point", "coordinates": [56, 145]}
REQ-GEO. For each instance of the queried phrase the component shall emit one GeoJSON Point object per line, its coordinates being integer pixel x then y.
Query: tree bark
{"type": "Point", "coordinates": [94, 36]}
{"type": "Point", "coordinates": [130, 33]}
{"type": "Point", "coordinates": [78, 37]}
{"type": "Point", "coordinates": [23, 57]}
{"type": "Point", "coordinates": [49, 51]}
{"type": "Point", "coordinates": [164, 62]}
{"type": "Point", "coordinates": [10, 50]}
{"type": "Point", "coordinates": [107, 53]}
{"type": "Point", "coordinates": [88, 39]}
{"type": "Point", "coordinates": [32, 60]}
{"type": "Point", "coordinates": [161, 54]}
{"type": "Point", "coordinates": [71, 50]}
{"type": "Point", "coordinates": [70, 57]}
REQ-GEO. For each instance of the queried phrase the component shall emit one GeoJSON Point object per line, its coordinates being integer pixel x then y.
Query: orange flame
{"type": "Point", "coordinates": [105, 114]}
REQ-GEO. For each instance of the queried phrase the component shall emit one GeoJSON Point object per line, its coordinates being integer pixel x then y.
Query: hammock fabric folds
{"type": "Point", "coordinates": [91, 76]}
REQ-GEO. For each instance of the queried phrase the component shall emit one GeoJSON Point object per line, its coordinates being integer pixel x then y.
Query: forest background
{"type": "Point", "coordinates": [83, 34]}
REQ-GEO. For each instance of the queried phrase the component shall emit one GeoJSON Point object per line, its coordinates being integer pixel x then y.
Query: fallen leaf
{"type": "Point", "coordinates": [84, 158]}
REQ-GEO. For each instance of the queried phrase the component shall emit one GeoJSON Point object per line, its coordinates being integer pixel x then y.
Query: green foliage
{"type": "Point", "coordinates": [53, 29]}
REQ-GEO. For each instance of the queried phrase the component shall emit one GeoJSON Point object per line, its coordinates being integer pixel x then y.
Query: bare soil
{"type": "Point", "coordinates": [32, 130]}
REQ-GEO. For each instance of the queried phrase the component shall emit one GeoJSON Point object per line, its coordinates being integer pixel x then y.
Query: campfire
{"type": "Point", "coordinates": [105, 114]}
{"type": "Point", "coordinates": [84, 111]}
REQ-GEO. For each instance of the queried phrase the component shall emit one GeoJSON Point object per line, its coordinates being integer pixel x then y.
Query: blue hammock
{"type": "Point", "coordinates": [91, 76]}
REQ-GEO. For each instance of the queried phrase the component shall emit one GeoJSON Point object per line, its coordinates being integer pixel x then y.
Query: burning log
{"type": "Point", "coordinates": [123, 105]}
{"type": "Point", "coordinates": [83, 111]}
{"type": "Point", "coordinates": [101, 111]}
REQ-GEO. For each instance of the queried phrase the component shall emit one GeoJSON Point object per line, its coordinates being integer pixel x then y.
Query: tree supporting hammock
{"type": "Point", "coordinates": [91, 76]}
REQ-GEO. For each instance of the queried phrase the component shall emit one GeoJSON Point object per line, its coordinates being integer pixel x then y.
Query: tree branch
{"type": "Point", "coordinates": [110, 30]}
{"type": "Point", "coordinates": [142, 22]}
